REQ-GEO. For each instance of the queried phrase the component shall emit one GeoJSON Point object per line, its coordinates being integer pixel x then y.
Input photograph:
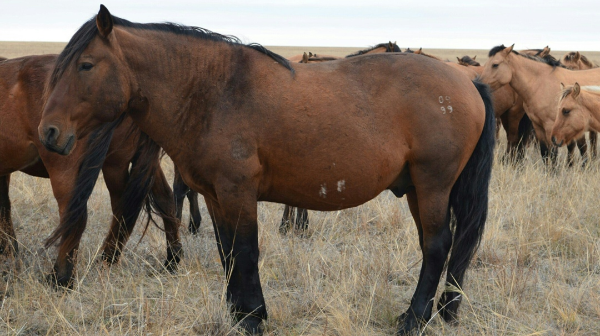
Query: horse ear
{"type": "Point", "coordinates": [474, 57]}
{"type": "Point", "coordinates": [562, 86]}
{"type": "Point", "coordinates": [104, 21]}
{"type": "Point", "coordinates": [577, 56]}
{"type": "Point", "coordinates": [304, 58]}
{"type": "Point", "coordinates": [420, 51]}
{"type": "Point", "coordinates": [509, 49]}
{"type": "Point", "coordinates": [576, 90]}
{"type": "Point", "coordinates": [310, 54]}
{"type": "Point", "coordinates": [545, 52]}
{"type": "Point", "coordinates": [458, 58]}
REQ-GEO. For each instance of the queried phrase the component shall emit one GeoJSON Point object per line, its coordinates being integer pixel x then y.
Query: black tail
{"type": "Point", "coordinates": [469, 206]}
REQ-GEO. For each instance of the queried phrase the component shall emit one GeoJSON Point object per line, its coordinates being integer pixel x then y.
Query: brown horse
{"type": "Point", "coordinates": [314, 58]}
{"type": "Point", "coordinates": [299, 216]}
{"type": "Point", "coordinates": [576, 61]}
{"type": "Point", "coordinates": [578, 112]}
{"type": "Point", "coordinates": [537, 81]}
{"type": "Point", "coordinates": [228, 114]}
{"type": "Point", "coordinates": [22, 83]}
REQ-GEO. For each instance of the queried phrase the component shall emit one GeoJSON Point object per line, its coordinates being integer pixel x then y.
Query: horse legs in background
{"type": "Point", "coordinates": [593, 145]}
{"type": "Point", "coordinates": [549, 155]}
{"type": "Point", "coordinates": [8, 240]}
{"type": "Point", "coordinates": [163, 199]}
{"type": "Point", "coordinates": [298, 216]}
{"type": "Point", "coordinates": [180, 191]}
{"type": "Point", "coordinates": [583, 150]}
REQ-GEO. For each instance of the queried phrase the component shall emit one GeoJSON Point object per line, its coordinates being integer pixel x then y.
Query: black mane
{"type": "Point", "coordinates": [548, 59]}
{"type": "Point", "coordinates": [395, 48]}
{"type": "Point", "coordinates": [86, 33]}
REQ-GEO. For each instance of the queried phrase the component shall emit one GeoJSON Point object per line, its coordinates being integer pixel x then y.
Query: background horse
{"type": "Point", "coordinates": [576, 61]}
{"type": "Point", "coordinates": [509, 110]}
{"type": "Point", "coordinates": [537, 81]}
{"type": "Point", "coordinates": [578, 112]}
{"type": "Point", "coordinates": [401, 122]}
{"type": "Point", "coordinates": [22, 83]}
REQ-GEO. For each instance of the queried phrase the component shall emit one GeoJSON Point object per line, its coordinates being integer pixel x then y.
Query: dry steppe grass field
{"type": "Point", "coordinates": [537, 271]}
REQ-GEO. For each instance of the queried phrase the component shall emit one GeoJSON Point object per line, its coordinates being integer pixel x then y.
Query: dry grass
{"type": "Point", "coordinates": [536, 273]}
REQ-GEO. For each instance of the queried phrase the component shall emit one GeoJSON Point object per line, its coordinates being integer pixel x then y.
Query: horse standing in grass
{"type": "Point", "coordinates": [232, 117]}
{"type": "Point", "coordinates": [22, 83]}
{"type": "Point", "coordinates": [537, 81]}
{"type": "Point", "coordinates": [576, 61]}
{"type": "Point", "coordinates": [508, 107]}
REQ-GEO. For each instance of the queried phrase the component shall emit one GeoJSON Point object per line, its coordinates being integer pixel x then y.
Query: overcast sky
{"type": "Point", "coordinates": [482, 24]}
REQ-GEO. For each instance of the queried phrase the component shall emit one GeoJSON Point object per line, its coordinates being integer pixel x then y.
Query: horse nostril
{"type": "Point", "coordinates": [52, 133]}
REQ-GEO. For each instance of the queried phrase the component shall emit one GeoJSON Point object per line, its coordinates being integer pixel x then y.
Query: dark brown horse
{"type": "Point", "coordinates": [228, 114]}
{"type": "Point", "coordinates": [22, 83]}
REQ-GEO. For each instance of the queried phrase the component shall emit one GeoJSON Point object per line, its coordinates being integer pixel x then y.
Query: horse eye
{"type": "Point", "coordinates": [565, 111]}
{"type": "Point", "coordinates": [495, 65]}
{"type": "Point", "coordinates": [85, 66]}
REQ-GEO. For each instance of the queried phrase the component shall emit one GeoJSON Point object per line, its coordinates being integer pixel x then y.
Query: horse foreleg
{"type": "Point", "coordinates": [8, 240]}
{"type": "Point", "coordinates": [163, 199]}
{"type": "Point", "coordinates": [571, 153]}
{"type": "Point", "coordinates": [235, 222]}
{"type": "Point", "coordinates": [583, 148]}
{"type": "Point", "coordinates": [431, 209]}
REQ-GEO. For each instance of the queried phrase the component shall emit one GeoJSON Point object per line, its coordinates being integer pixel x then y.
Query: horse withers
{"type": "Point", "coordinates": [401, 122]}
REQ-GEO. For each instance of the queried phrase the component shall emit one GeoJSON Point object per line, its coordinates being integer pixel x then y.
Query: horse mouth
{"type": "Point", "coordinates": [64, 150]}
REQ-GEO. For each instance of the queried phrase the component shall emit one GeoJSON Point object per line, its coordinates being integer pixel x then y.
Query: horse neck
{"type": "Point", "coordinates": [528, 76]}
{"type": "Point", "coordinates": [591, 102]}
{"type": "Point", "coordinates": [178, 74]}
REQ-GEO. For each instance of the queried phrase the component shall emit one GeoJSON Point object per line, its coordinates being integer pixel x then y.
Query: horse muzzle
{"type": "Point", "coordinates": [49, 137]}
{"type": "Point", "coordinates": [557, 144]}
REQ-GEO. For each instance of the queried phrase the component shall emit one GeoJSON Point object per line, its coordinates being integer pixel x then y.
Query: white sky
{"type": "Point", "coordinates": [482, 24]}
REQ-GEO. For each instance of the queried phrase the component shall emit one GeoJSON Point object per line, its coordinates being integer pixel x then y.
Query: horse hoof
{"type": "Point", "coordinates": [407, 324]}
{"type": "Point", "coordinates": [59, 282]}
{"type": "Point", "coordinates": [252, 325]}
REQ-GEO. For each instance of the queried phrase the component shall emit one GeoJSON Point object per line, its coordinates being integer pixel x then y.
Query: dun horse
{"type": "Point", "coordinates": [537, 81]}
{"type": "Point", "coordinates": [508, 107]}
{"type": "Point", "coordinates": [22, 83]}
{"type": "Point", "coordinates": [233, 116]}
{"type": "Point", "coordinates": [578, 112]}
{"type": "Point", "coordinates": [576, 61]}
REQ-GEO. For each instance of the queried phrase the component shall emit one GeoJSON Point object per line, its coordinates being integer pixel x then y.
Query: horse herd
{"type": "Point", "coordinates": [243, 124]}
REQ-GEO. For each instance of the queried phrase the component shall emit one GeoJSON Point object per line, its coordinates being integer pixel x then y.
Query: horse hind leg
{"type": "Point", "coordinates": [431, 213]}
{"type": "Point", "coordinates": [8, 240]}
{"type": "Point", "coordinates": [180, 192]}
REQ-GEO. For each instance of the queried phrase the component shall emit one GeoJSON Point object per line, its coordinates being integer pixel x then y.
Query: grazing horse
{"type": "Point", "coordinates": [576, 61]}
{"type": "Point", "coordinates": [537, 81]}
{"type": "Point", "coordinates": [232, 117]}
{"type": "Point", "coordinates": [578, 112]}
{"type": "Point", "coordinates": [22, 83]}
{"type": "Point", "coordinates": [508, 107]}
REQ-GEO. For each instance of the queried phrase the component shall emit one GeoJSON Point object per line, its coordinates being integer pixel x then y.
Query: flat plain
{"type": "Point", "coordinates": [537, 271]}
